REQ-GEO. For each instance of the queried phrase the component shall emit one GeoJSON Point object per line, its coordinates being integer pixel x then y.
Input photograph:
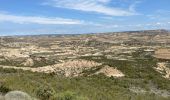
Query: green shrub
{"type": "Point", "coordinates": [4, 89]}
{"type": "Point", "coordinates": [45, 93]}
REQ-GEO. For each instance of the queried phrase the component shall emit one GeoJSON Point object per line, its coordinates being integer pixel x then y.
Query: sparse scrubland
{"type": "Point", "coordinates": [111, 66]}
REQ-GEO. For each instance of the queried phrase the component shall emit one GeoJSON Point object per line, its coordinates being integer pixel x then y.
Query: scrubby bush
{"type": "Point", "coordinates": [4, 89]}
{"type": "Point", "coordinates": [45, 93]}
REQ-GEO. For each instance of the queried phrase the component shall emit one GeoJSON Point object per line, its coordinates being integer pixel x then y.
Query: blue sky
{"type": "Point", "coordinates": [23, 17]}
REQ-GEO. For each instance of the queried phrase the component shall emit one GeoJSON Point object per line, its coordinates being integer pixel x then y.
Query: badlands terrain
{"type": "Point", "coordinates": [103, 66]}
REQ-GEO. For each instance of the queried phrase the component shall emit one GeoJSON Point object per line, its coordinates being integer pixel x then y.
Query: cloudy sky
{"type": "Point", "coordinates": [81, 16]}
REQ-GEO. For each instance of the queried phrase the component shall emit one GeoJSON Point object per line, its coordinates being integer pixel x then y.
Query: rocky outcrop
{"type": "Point", "coordinates": [28, 62]}
{"type": "Point", "coordinates": [75, 67]}
{"type": "Point", "coordinates": [163, 69]}
{"type": "Point", "coordinates": [110, 71]}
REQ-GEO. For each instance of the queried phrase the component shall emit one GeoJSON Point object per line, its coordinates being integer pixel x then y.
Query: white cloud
{"type": "Point", "coordinates": [132, 7]}
{"type": "Point", "coordinates": [36, 19]}
{"type": "Point", "coordinates": [158, 23]}
{"type": "Point", "coordinates": [97, 6]}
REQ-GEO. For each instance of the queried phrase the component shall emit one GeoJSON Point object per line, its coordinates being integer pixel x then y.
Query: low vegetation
{"type": "Point", "coordinates": [139, 73]}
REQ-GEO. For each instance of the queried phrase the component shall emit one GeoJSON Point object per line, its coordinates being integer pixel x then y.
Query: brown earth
{"type": "Point", "coordinates": [162, 54]}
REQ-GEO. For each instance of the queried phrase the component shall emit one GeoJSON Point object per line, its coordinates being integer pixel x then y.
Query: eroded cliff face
{"type": "Point", "coordinates": [162, 53]}
{"type": "Point", "coordinates": [73, 68]}
{"type": "Point", "coordinates": [68, 68]}
{"type": "Point", "coordinates": [162, 67]}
